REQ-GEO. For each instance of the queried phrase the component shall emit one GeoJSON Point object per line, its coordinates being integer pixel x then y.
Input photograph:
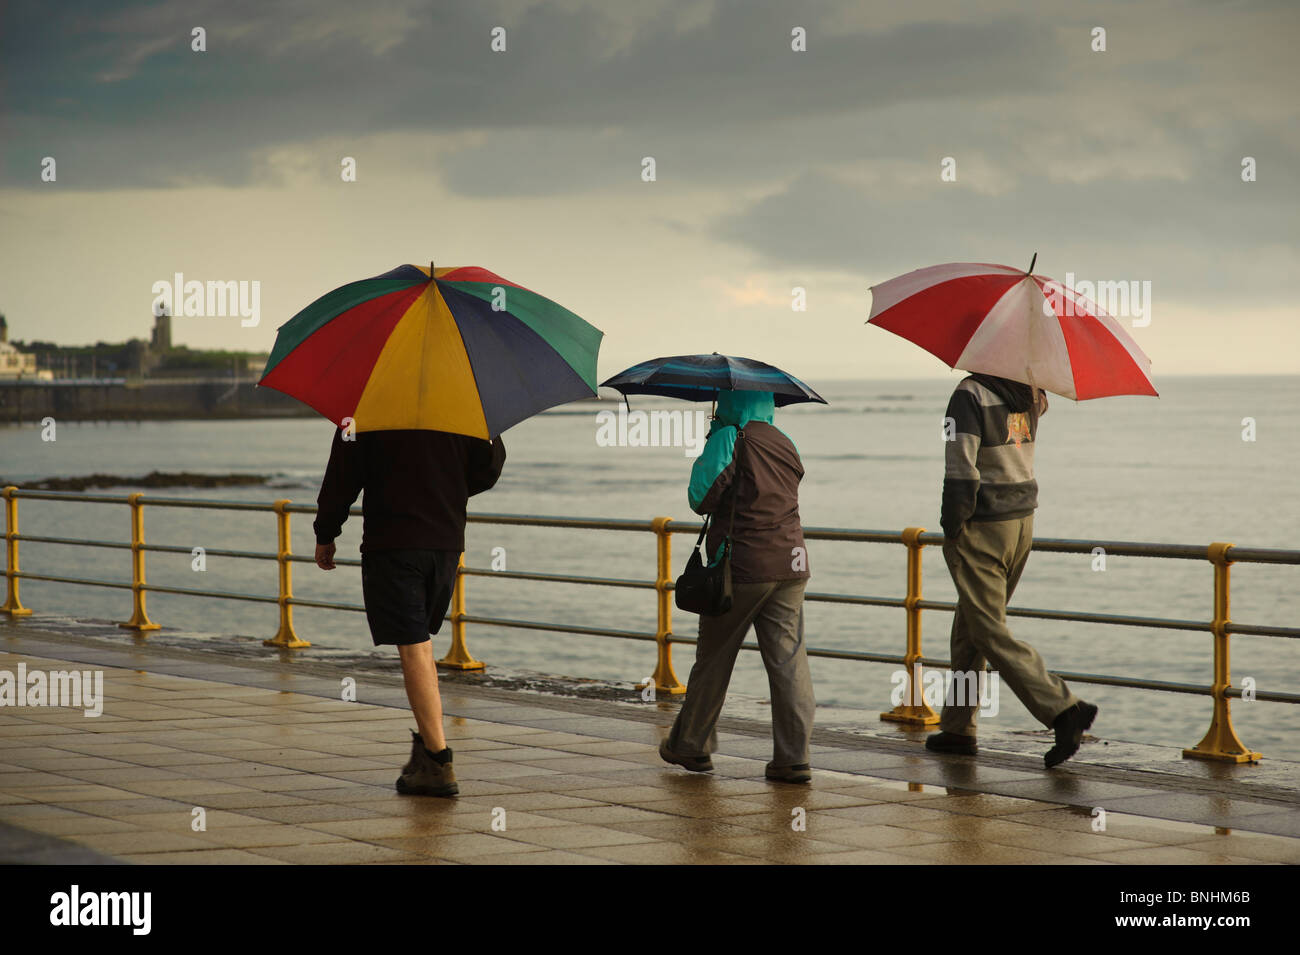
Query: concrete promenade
{"type": "Point", "coordinates": [287, 772]}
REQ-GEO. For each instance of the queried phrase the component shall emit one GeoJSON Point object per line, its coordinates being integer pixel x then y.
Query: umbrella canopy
{"type": "Point", "coordinates": [448, 349]}
{"type": "Point", "coordinates": [701, 377]}
{"type": "Point", "coordinates": [997, 320]}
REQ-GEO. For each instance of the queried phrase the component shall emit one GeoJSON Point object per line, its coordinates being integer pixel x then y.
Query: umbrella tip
{"type": "Point", "coordinates": [431, 270]}
{"type": "Point", "coordinates": [1030, 270]}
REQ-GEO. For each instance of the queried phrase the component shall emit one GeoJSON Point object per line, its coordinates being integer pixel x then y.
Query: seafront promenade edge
{"type": "Point", "coordinates": [286, 771]}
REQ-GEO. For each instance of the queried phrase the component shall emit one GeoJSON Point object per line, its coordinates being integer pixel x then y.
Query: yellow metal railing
{"type": "Point", "coordinates": [1220, 742]}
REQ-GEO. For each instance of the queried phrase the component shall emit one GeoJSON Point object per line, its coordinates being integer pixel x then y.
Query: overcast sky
{"type": "Point", "coordinates": [774, 168]}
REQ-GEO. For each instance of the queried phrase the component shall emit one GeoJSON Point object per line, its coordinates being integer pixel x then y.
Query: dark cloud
{"type": "Point", "coordinates": [1199, 238]}
{"type": "Point", "coordinates": [1125, 163]}
{"type": "Point", "coordinates": [124, 88]}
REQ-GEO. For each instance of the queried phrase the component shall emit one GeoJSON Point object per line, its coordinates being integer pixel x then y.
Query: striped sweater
{"type": "Point", "coordinates": [989, 458]}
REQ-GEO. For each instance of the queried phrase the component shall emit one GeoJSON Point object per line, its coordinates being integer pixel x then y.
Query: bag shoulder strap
{"type": "Point", "coordinates": [735, 481]}
{"type": "Point", "coordinates": [731, 520]}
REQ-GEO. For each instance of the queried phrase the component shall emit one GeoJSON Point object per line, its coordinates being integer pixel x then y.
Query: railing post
{"type": "Point", "coordinates": [1220, 742]}
{"type": "Point", "coordinates": [913, 710]}
{"type": "Point", "coordinates": [285, 637]}
{"type": "Point", "coordinates": [664, 678]}
{"type": "Point", "coordinates": [139, 621]}
{"type": "Point", "coordinates": [458, 656]}
{"type": "Point", "coordinates": [12, 605]}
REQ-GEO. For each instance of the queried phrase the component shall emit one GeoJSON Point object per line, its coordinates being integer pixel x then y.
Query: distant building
{"type": "Point", "coordinates": [156, 357]}
{"type": "Point", "coordinates": [161, 339]}
{"type": "Point", "coordinates": [15, 363]}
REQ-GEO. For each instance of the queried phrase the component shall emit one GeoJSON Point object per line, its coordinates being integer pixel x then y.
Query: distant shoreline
{"type": "Point", "coordinates": [154, 479]}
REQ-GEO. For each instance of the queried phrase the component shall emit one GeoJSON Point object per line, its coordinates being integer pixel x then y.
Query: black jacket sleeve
{"type": "Point", "coordinates": [483, 464]}
{"type": "Point", "coordinates": [339, 489]}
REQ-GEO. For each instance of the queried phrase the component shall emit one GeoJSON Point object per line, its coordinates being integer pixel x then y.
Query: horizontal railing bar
{"type": "Point", "coordinates": [155, 588]}
{"type": "Point", "coordinates": [859, 655]}
{"type": "Point", "coordinates": [1082, 617]}
{"type": "Point", "coordinates": [856, 599]}
{"type": "Point", "coordinates": [200, 503]}
{"type": "Point", "coordinates": [223, 594]}
{"type": "Point", "coordinates": [26, 575]}
{"type": "Point", "coordinates": [1060, 545]}
{"type": "Point", "coordinates": [206, 504]}
{"type": "Point", "coordinates": [1267, 697]}
{"type": "Point", "coordinates": [114, 545]}
{"type": "Point", "coordinates": [326, 605]}
{"type": "Point", "coordinates": [1122, 620]}
{"type": "Point", "coordinates": [311, 559]}
{"type": "Point", "coordinates": [1262, 555]}
{"type": "Point", "coordinates": [584, 523]}
{"type": "Point", "coordinates": [1262, 630]}
{"type": "Point", "coordinates": [860, 536]}
{"type": "Point", "coordinates": [208, 551]}
{"type": "Point", "coordinates": [560, 628]}
{"type": "Point", "coordinates": [77, 496]}
{"type": "Point", "coordinates": [559, 578]}
{"type": "Point", "coordinates": [181, 549]}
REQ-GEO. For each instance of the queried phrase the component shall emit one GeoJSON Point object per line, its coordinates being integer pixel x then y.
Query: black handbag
{"type": "Point", "coordinates": [706, 589]}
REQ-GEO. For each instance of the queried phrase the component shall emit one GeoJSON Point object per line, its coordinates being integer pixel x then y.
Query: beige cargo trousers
{"type": "Point", "coordinates": [986, 561]}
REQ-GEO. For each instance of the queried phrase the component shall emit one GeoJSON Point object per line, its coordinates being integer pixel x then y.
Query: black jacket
{"type": "Point", "coordinates": [417, 484]}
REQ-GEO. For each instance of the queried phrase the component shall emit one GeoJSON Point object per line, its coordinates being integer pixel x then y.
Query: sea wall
{"type": "Point", "coordinates": [128, 400]}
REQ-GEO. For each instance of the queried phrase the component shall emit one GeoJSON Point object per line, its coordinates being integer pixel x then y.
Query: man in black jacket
{"type": "Point", "coordinates": [417, 485]}
{"type": "Point", "coordinates": [989, 497]}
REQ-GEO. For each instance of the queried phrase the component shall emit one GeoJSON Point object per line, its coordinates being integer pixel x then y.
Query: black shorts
{"type": "Point", "coordinates": [407, 593]}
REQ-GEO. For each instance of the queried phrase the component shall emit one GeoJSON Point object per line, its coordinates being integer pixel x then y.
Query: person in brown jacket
{"type": "Point", "coordinates": [750, 462]}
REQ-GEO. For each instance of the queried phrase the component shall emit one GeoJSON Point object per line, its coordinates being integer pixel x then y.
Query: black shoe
{"type": "Point", "coordinates": [696, 764]}
{"type": "Point", "coordinates": [954, 743]}
{"type": "Point", "coordinates": [798, 773]}
{"type": "Point", "coordinates": [1070, 727]}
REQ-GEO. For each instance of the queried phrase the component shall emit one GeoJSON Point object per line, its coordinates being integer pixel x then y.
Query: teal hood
{"type": "Point", "coordinates": [741, 407]}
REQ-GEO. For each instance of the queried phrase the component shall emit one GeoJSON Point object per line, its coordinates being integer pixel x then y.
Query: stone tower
{"type": "Point", "coordinates": [161, 340]}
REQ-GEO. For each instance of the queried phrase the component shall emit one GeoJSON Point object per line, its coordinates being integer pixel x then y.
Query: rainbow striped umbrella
{"type": "Point", "coordinates": [448, 349]}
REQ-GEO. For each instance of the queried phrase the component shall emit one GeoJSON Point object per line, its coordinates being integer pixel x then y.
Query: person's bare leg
{"type": "Point", "coordinates": [420, 674]}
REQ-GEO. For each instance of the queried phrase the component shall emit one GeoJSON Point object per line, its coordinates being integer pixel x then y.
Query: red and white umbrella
{"type": "Point", "coordinates": [996, 320]}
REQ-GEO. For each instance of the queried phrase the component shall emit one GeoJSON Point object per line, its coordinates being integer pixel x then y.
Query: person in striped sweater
{"type": "Point", "coordinates": [989, 498]}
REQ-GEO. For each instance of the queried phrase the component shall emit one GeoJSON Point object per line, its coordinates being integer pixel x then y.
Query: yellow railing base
{"type": "Point", "coordinates": [289, 641]}
{"type": "Point", "coordinates": [676, 689]}
{"type": "Point", "coordinates": [1242, 757]}
{"type": "Point", "coordinates": [912, 715]}
{"type": "Point", "coordinates": [140, 627]}
{"type": "Point", "coordinates": [16, 611]}
{"type": "Point", "coordinates": [449, 664]}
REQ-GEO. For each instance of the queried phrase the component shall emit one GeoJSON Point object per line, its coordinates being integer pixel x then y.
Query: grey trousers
{"type": "Point", "coordinates": [986, 561]}
{"type": "Point", "coordinates": [775, 610]}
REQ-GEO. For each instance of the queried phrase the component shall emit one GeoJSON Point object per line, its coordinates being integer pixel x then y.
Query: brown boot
{"type": "Point", "coordinates": [427, 777]}
{"type": "Point", "coordinates": [417, 747]}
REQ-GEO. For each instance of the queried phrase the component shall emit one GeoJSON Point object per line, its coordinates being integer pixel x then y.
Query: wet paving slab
{"type": "Point", "coordinates": [200, 758]}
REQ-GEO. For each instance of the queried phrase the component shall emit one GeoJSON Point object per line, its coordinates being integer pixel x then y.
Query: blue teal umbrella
{"type": "Point", "coordinates": [701, 377]}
